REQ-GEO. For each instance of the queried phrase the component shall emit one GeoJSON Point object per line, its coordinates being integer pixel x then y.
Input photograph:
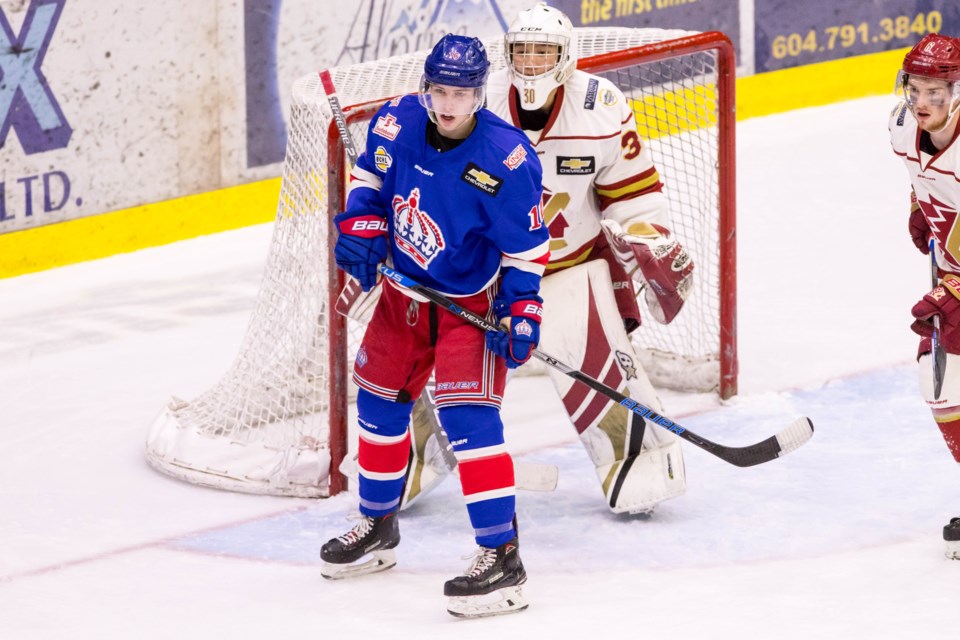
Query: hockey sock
{"type": "Point", "coordinates": [486, 471]}
{"type": "Point", "coordinates": [951, 434]}
{"type": "Point", "coordinates": [383, 452]}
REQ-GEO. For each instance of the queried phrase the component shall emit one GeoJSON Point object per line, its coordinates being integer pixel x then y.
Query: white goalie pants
{"type": "Point", "coordinates": [638, 465]}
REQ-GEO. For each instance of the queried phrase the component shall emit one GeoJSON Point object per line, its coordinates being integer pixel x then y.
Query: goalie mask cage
{"type": "Point", "coordinates": [276, 423]}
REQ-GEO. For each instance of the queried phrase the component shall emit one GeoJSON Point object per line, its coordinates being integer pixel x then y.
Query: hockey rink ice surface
{"type": "Point", "coordinates": [841, 539]}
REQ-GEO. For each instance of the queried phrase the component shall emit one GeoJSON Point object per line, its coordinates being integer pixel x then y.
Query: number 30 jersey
{"type": "Point", "coordinates": [595, 166]}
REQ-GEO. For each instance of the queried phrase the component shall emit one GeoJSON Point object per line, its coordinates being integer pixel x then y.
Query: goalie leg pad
{"type": "Point", "coordinates": [638, 465]}
{"type": "Point", "coordinates": [431, 457]}
{"type": "Point", "coordinates": [639, 483]}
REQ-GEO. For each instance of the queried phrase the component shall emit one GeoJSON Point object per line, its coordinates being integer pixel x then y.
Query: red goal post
{"type": "Point", "coordinates": [276, 423]}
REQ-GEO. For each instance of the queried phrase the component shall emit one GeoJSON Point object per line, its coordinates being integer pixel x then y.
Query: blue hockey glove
{"type": "Point", "coordinates": [361, 246]}
{"type": "Point", "coordinates": [516, 343]}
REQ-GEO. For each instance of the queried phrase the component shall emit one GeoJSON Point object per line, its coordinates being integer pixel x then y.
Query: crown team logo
{"type": "Point", "coordinates": [415, 232]}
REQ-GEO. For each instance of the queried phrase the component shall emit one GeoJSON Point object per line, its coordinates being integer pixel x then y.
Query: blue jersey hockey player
{"type": "Point", "coordinates": [450, 194]}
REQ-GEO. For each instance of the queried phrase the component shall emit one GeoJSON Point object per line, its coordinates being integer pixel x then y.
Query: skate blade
{"type": "Point", "coordinates": [380, 561]}
{"type": "Point", "coordinates": [501, 601]}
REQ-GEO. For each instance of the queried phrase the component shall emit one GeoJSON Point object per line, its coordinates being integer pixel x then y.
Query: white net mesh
{"type": "Point", "coordinates": [265, 427]}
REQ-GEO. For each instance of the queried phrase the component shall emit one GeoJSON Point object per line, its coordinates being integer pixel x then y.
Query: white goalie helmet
{"type": "Point", "coordinates": [541, 51]}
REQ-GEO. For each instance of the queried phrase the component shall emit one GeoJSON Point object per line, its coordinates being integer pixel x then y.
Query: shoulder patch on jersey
{"type": "Point", "coordinates": [591, 100]}
{"type": "Point", "coordinates": [382, 159]}
{"type": "Point", "coordinates": [477, 177]}
{"type": "Point", "coordinates": [576, 166]}
{"type": "Point", "coordinates": [516, 157]}
{"type": "Point", "coordinates": [608, 98]}
{"type": "Point", "coordinates": [901, 115]}
{"type": "Point", "coordinates": [387, 127]}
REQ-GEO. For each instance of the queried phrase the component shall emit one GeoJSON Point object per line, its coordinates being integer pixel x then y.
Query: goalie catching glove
{"type": "Point", "coordinates": [361, 246]}
{"type": "Point", "coordinates": [945, 302]}
{"type": "Point", "coordinates": [665, 265]}
{"type": "Point", "coordinates": [516, 343]}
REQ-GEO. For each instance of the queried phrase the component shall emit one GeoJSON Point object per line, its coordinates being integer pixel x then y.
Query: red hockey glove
{"type": "Point", "coordinates": [664, 264]}
{"type": "Point", "coordinates": [361, 246]}
{"type": "Point", "coordinates": [516, 344]}
{"type": "Point", "coordinates": [919, 229]}
{"type": "Point", "coordinates": [943, 301]}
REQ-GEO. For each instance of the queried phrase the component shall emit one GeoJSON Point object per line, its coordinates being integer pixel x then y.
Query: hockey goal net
{"type": "Point", "coordinates": [276, 423]}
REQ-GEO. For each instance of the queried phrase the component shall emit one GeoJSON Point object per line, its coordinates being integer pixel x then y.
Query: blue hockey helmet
{"type": "Point", "coordinates": [457, 61]}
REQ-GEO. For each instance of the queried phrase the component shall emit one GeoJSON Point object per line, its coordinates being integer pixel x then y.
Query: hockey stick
{"type": "Point", "coordinates": [529, 476]}
{"type": "Point", "coordinates": [939, 353]}
{"type": "Point", "coordinates": [788, 439]}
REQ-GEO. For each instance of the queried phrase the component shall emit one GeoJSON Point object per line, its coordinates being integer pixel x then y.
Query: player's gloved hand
{"type": "Point", "coordinates": [945, 302]}
{"type": "Point", "coordinates": [665, 265]}
{"type": "Point", "coordinates": [361, 246]}
{"type": "Point", "coordinates": [919, 229]}
{"type": "Point", "coordinates": [516, 342]}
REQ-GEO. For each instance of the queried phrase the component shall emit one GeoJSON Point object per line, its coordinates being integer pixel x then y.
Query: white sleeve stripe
{"type": "Point", "coordinates": [359, 174]}
{"type": "Point", "coordinates": [531, 254]}
{"type": "Point", "coordinates": [523, 265]}
{"type": "Point", "coordinates": [376, 438]}
{"type": "Point", "coordinates": [490, 495]}
{"type": "Point", "coordinates": [482, 452]}
{"type": "Point", "coordinates": [371, 475]}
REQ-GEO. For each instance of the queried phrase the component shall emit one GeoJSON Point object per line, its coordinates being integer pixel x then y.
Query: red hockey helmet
{"type": "Point", "coordinates": [935, 56]}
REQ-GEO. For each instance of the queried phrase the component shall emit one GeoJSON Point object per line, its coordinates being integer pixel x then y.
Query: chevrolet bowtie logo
{"type": "Point", "coordinates": [575, 163]}
{"type": "Point", "coordinates": [483, 177]}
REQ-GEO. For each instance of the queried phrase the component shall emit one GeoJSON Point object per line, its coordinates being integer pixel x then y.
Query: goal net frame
{"type": "Point", "coordinates": [194, 441]}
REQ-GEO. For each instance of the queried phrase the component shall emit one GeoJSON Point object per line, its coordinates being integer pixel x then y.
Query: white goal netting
{"type": "Point", "coordinates": [275, 422]}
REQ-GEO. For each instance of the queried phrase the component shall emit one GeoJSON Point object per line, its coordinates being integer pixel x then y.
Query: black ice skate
{"type": "Point", "coordinates": [491, 586]}
{"type": "Point", "coordinates": [375, 537]}
{"type": "Point", "coordinates": [951, 535]}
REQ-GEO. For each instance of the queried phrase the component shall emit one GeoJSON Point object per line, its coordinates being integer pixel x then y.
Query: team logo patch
{"type": "Point", "coordinates": [415, 232]}
{"type": "Point", "coordinates": [361, 357]}
{"type": "Point", "coordinates": [523, 328]}
{"type": "Point", "coordinates": [626, 363]}
{"type": "Point", "coordinates": [591, 100]}
{"type": "Point", "coordinates": [387, 127]}
{"type": "Point", "coordinates": [575, 166]}
{"type": "Point", "coordinates": [382, 159]}
{"type": "Point", "coordinates": [608, 98]}
{"type": "Point", "coordinates": [516, 157]}
{"type": "Point", "coordinates": [482, 180]}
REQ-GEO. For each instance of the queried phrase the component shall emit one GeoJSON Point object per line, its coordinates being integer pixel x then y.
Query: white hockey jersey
{"type": "Point", "coordinates": [594, 164]}
{"type": "Point", "coordinates": [936, 182]}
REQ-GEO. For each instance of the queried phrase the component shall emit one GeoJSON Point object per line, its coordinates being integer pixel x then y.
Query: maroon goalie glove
{"type": "Point", "coordinates": [943, 301]}
{"type": "Point", "coordinates": [919, 229]}
{"type": "Point", "coordinates": [665, 266]}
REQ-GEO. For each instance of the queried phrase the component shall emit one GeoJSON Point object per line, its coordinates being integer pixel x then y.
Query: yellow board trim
{"type": "Point", "coordinates": [126, 230]}
{"type": "Point", "coordinates": [150, 225]}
